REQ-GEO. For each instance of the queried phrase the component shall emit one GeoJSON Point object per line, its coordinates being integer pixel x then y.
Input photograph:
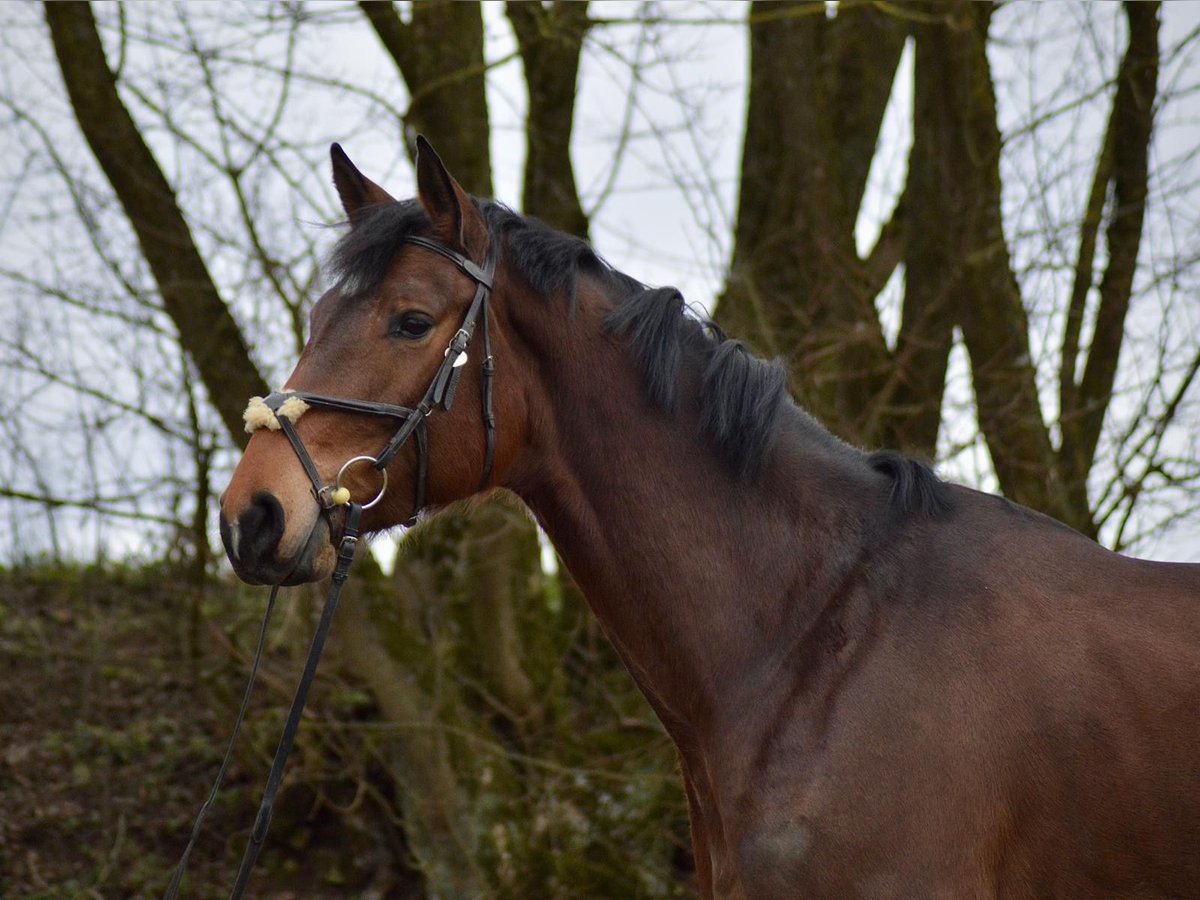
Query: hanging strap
{"type": "Point", "coordinates": [263, 820]}
{"type": "Point", "coordinates": [489, 415]}
{"type": "Point", "coordinates": [181, 867]}
{"type": "Point", "coordinates": [349, 544]}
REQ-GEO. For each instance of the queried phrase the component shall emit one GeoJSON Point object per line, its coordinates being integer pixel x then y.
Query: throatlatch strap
{"type": "Point", "coordinates": [489, 415]}
{"type": "Point", "coordinates": [422, 469]}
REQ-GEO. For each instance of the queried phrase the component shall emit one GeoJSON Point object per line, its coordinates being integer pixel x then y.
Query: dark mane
{"type": "Point", "coordinates": [743, 400]}
{"type": "Point", "coordinates": [915, 487]}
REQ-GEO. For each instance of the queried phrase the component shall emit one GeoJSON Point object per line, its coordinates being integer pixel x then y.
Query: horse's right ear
{"type": "Point", "coordinates": [454, 217]}
{"type": "Point", "coordinates": [357, 192]}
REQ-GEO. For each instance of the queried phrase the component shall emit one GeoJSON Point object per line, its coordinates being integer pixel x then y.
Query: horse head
{"type": "Point", "coordinates": [392, 403]}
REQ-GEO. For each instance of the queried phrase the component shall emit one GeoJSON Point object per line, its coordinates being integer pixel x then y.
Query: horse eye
{"type": "Point", "coordinates": [410, 326]}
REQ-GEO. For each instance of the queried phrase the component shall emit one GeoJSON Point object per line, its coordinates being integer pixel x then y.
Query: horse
{"type": "Point", "coordinates": [879, 684]}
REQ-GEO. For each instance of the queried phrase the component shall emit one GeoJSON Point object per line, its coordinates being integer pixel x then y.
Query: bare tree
{"type": "Point", "coordinates": [798, 287]}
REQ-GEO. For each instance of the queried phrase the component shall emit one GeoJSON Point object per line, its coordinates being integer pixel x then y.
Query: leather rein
{"type": "Point", "coordinates": [439, 393]}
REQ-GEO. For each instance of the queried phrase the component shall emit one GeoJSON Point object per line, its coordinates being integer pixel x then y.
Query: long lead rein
{"type": "Point", "coordinates": [177, 877]}
{"type": "Point", "coordinates": [262, 821]}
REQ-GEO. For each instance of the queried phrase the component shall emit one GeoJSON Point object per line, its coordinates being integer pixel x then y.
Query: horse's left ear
{"type": "Point", "coordinates": [356, 190]}
{"type": "Point", "coordinates": [455, 219]}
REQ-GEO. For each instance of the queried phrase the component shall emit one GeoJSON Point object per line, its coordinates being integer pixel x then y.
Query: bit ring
{"type": "Point", "coordinates": [337, 482]}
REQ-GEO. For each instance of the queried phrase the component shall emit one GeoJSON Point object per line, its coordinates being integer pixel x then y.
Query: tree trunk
{"type": "Point", "coordinates": [551, 40]}
{"type": "Point", "coordinates": [1124, 163]}
{"type": "Point", "coordinates": [435, 807]}
{"type": "Point", "coordinates": [796, 287]}
{"type": "Point", "coordinates": [207, 330]}
{"type": "Point", "coordinates": [439, 54]}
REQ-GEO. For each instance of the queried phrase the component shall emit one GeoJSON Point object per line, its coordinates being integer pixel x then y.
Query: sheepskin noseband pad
{"type": "Point", "coordinates": [259, 415]}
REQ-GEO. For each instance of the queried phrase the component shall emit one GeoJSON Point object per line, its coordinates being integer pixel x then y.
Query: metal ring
{"type": "Point", "coordinates": [337, 482]}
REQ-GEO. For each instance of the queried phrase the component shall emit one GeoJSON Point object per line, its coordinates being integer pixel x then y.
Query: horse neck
{"type": "Point", "coordinates": [693, 576]}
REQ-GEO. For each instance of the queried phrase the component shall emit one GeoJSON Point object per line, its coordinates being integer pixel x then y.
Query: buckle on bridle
{"type": "Point", "coordinates": [458, 345]}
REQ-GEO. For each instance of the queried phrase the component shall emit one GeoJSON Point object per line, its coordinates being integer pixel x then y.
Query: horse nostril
{"type": "Point", "coordinates": [255, 536]}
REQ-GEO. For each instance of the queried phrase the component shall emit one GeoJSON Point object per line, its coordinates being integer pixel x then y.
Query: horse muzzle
{"type": "Point", "coordinates": [254, 543]}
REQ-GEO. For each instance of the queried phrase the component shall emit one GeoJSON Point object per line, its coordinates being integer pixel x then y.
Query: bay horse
{"type": "Point", "coordinates": [879, 684]}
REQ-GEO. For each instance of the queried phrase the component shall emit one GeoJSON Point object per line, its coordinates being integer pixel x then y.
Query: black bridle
{"type": "Point", "coordinates": [440, 392]}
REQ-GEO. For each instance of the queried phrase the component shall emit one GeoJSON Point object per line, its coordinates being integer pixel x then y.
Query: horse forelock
{"type": "Point", "coordinates": [360, 261]}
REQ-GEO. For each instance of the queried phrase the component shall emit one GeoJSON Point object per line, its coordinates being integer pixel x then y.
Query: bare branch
{"type": "Point", "coordinates": [206, 328]}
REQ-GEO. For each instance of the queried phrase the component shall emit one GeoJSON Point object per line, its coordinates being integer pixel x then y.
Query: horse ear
{"type": "Point", "coordinates": [357, 192]}
{"type": "Point", "coordinates": [455, 219]}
